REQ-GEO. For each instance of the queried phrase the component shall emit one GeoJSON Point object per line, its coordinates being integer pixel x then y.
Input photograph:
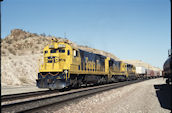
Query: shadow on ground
{"type": "Point", "coordinates": [163, 92]}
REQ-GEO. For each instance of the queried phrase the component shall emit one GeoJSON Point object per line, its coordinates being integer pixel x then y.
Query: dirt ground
{"type": "Point", "coordinates": [151, 96]}
{"type": "Point", "coordinates": [6, 90]}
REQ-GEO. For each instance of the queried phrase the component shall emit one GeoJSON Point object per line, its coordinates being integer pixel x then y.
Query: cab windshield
{"type": "Point", "coordinates": [57, 50]}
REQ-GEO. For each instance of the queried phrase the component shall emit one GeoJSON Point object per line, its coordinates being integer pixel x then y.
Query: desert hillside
{"type": "Point", "coordinates": [141, 63]}
{"type": "Point", "coordinates": [20, 42]}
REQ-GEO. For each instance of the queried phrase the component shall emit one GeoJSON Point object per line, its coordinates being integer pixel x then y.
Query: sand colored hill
{"type": "Point", "coordinates": [141, 63]}
{"type": "Point", "coordinates": [20, 42]}
{"type": "Point", "coordinates": [19, 70]}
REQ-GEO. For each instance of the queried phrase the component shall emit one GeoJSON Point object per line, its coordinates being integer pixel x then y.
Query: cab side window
{"type": "Point", "coordinates": [75, 53]}
{"type": "Point", "coordinates": [68, 52]}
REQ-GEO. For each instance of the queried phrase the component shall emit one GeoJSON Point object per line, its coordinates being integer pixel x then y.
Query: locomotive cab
{"type": "Point", "coordinates": [56, 58]}
{"type": "Point", "coordinates": [54, 71]}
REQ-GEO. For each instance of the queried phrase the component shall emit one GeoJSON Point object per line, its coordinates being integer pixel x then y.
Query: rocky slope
{"type": "Point", "coordinates": [141, 63]}
{"type": "Point", "coordinates": [20, 42]}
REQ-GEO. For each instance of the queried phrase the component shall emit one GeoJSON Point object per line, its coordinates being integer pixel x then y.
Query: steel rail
{"type": "Point", "coordinates": [17, 96]}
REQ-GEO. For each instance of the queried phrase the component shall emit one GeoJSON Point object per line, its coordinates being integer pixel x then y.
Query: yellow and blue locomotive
{"type": "Point", "coordinates": [67, 66]}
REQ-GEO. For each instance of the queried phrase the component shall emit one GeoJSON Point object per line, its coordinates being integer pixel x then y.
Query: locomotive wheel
{"type": "Point", "coordinates": [76, 86]}
{"type": "Point", "coordinates": [50, 89]}
{"type": "Point", "coordinates": [128, 79]}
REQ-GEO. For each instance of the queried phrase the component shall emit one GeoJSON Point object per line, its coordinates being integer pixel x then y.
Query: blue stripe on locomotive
{"type": "Point", "coordinates": [92, 57]}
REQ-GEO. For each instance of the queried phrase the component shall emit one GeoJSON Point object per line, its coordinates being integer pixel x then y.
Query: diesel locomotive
{"type": "Point", "coordinates": [66, 66]}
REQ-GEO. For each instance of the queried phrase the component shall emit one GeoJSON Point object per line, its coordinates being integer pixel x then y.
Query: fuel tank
{"type": "Point", "coordinates": [167, 68]}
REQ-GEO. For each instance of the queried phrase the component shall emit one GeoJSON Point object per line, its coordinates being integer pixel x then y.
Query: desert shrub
{"type": "Point", "coordinates": [30, 44]}
{"type": "Point", "coordinates": [15, 39]}
{"type": "Point", "coordinates": [11, 50]}
{"type": "Point", "coordinates": [38, 42]}
{"type": "Point", "coordinates": [33, 52]}
{"type": "Point", "coordinates": [25, 41]}
{"type": "Point", "coordinates": [43, 39]}
{"type": "Point", "coordinates": [9, 41]}
{"type": "Point", "coordinates": [23, 36]}
{"type": "Point", "coordinates": [5, 46]}
{"type": "Point", "coordinates": [43, 34]}
{"type": "Point", "coordinates": [36, 47]}
{"type": "Point", "coordinates": [35, 34]}
{"type": "Point", "coordinates": [23, 79]}
{"type": "Point", "coordinates": [3, 52]}
{"type": "Point", "coordinates": [19, 47]}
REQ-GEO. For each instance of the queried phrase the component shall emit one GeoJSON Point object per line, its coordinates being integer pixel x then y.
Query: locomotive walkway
{"type": "Point", "coordinates": [32, 101]}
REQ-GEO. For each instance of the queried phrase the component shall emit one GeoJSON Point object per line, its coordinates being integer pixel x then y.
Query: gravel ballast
{"type": "Point", "coordinates": [135, 98]}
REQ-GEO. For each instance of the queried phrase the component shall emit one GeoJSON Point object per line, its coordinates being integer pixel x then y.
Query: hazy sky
{"type": "Point", "coordinates": [130, 29]}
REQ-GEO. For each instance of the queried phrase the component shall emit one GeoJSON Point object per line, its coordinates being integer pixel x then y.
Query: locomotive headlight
{"type": "Point", "coordinates": [51, 46]}
{"type": "Point", "coordinates": [65, 71]}
{"type": "Point", "coordinates": [61, 46]}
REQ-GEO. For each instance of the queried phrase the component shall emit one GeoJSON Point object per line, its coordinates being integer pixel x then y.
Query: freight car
{"type": "Point", "coordinates": [160, 73]}
{"type": "Point", "coordinates": [150, 73]}
{"type": "Point", "coordinates": [167, 70]}
{"type": "Point", "coordinates": [157, 73]}
{"type": "Point", "coordinates": [141, 72]}
{"type": "Point", "coordinates": [66, 66]}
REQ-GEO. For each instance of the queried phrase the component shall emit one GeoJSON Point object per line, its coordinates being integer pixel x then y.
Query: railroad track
{"type": "Point", "coordinates": [47, 98]}
{"type": "Point", "coordinates": [25, 95]}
